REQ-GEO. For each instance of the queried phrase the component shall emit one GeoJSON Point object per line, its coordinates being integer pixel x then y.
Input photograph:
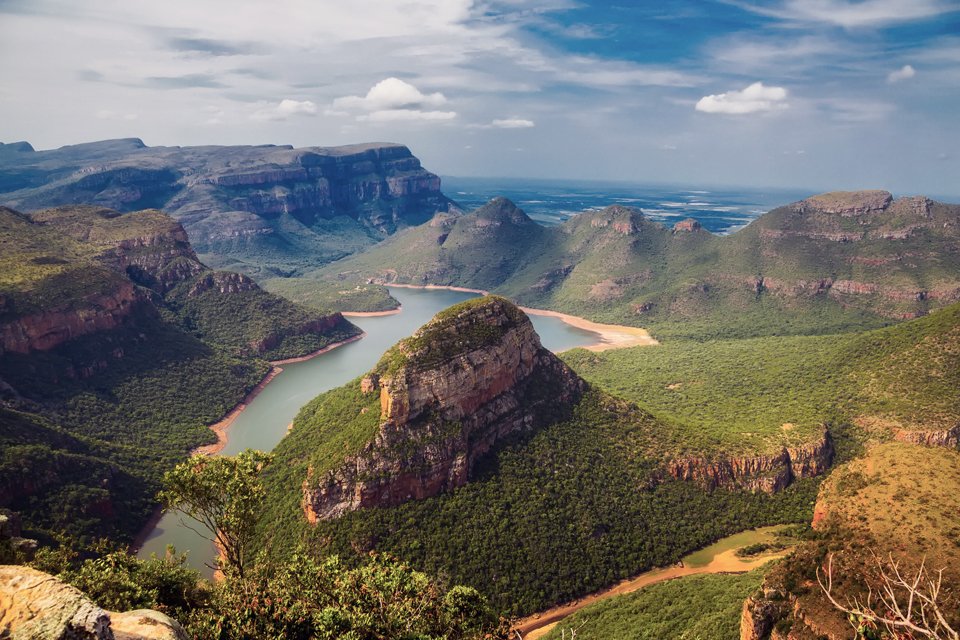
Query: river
{"type": "Point", "coordinates": [264, 422]}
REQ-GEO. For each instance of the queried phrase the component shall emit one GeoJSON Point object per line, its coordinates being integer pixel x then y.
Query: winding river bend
{"type": "Point", "coordinates": [264, 421]}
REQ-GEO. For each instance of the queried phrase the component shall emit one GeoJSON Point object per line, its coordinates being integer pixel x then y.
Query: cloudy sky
{"type": "Point", "coordinates": [801, 93]}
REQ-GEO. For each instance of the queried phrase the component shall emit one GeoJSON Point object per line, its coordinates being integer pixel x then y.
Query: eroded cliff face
{"type": "Point", "coordinates": [464, 383]}
{"type": "Point", "coordinates": [47, 329]}
{"type": "Point", "coordinates": [265, 204]}
{"type": "Point", "coordinates": [767, 473]}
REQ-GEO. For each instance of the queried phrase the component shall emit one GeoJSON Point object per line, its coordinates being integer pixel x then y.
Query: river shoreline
{"type": "Point", "coordinates": [222, 426]}
{"type": "Point", "coordinates": [612, 336]}
{"type": "Point", "coordinates": [540, 624]}
{"type": "Point", "coordinates": [371, 314]}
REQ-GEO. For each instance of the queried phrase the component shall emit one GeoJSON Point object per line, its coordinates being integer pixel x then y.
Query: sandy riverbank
{"type": "Point", "coordinates": [540, 624]}
{"type": "Point", "coordinates": [371, 314]}
{"type": "Point", "coordinates": [612, 336]}
{"type": "Point", "coordinates": [220, 428]}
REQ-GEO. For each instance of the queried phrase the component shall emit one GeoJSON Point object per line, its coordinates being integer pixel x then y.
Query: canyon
{"type": "Point", "coordinates": [268, 210]}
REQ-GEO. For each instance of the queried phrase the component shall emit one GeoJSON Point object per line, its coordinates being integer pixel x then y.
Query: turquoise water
{"type": "Point", "coordinates": [264, 422]}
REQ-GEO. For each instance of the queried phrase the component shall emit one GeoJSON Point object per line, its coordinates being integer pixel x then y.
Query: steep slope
{"type": "Point", "coordinates": [484, 456]}
{"type": "Point", "coordinates": [263, 210]}
{"type": "Point", "coordinates": [899, 501]}
{"type": "Point", "coordinates": [114, 354]}
{"type": "Point", "coordinates": [846, 260]}
{"type": "Point", "coordinates": [479, 250]}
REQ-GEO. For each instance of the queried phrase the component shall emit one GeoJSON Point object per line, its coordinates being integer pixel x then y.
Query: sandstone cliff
{"type": "Point", "coordinates": [767, 473]}
{"type": "Point", "coordinates": [269, 205]}
{"type": "Point", "coordinates": [470, 379]}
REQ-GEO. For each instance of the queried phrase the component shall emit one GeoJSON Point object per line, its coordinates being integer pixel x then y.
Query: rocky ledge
{"type": "Point", "coordinates": [767, 473]}
{"type": "Point", "coordinates": [34, 604]}
{"type": "Point", "coordinates": [468, 380]}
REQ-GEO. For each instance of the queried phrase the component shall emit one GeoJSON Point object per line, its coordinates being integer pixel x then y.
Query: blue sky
{"type": "Point", "coordinates": [819, 94]}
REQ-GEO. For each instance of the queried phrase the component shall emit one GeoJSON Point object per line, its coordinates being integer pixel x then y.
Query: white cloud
{"type": "Point", "coordinates": [512, 123]}
{"type": "Point", "coordinates": [754, 99]}
{"type": "Point", "coordinates": [406, 115]}
{"type": "Point", "coordinates": [390, 94]}
{"type": "Point", "coordinates": [285, 109]}
{"type": "Point", "coordinates": [852, 13]}
{"type": "Point", "coordinates": [393, 100]}
{"type": "Point", "coordinates": [903, 73]}
{"type": "Point", "coordinates": [288, 107]}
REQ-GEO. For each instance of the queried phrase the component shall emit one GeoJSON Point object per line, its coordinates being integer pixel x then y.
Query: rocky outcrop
{"type": "Point", "coordinates": [931, 437]}
{"type": "Point", "coordinates": [688, 225]}
{"type": "Point", "coordinates": [471, 378]}
{"type": "Point", "coordinates": [222, 282]}
{"type": "Point", "coordinates": [37, 606]}
{"type": "Point", "coordinates": [48, 329]}
{"type": "Point", "coordinates": [767, 473]}
{"type": "Point", "coordinates": [319, 325]}
{"type": "Point", "coordinates": [846, 203]}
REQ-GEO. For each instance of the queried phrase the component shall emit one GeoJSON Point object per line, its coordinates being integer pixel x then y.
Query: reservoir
{"type": "Point", "coordinates": [265, 420]}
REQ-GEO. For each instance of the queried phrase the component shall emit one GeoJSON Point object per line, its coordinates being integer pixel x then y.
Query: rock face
{"type": "Point", "coordinates": [847, 203]}
{"type": "Point", "coordinates": [37, 606]}
{"type": "Point", "coordinates": [244, 201]}
{"type": "Point", "coordinates": [769, 473]}
{"type": "Point", "coordinates": [51, 328]}
{"type": "Point", "coordinates": [465, 382]}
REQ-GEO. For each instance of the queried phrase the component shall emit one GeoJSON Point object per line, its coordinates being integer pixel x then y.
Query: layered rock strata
{"type": "Point", "coordinates": [472, 378]}
{"type": "Point", "coordinates": [767, 473]}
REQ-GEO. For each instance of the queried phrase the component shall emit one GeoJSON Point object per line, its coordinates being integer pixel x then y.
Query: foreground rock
{"type": "Point", "coordinates": [37, 606]}
{"type": "Point", "coordinates": [471, 378]}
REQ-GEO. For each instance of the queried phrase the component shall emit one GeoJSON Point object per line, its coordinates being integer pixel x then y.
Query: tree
{"type": "Point", "coordinates": [904, 606]}
{"type": "Point", "coordinates": [224, 495]}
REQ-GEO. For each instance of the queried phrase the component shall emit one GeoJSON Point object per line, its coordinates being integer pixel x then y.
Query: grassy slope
{"type": "Point", "coordinates": [688, 284]}
{"type": "Point", "coordinates": [737, 395]}
{"type": "Point", "coordinates": [899, 499]}
{"type": "Point", "coordinates": [693, 608]}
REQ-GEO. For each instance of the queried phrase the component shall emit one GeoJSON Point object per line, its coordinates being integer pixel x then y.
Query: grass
{"type": "Point", "coordinates": [756, 395]}
{"type": "Point", "coordinates": [330, 296]}
{"type": "Point", "coordinates": [705, 607]}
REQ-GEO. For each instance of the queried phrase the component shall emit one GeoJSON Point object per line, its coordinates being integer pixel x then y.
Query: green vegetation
{"type": "Point", "coordinates": [117, 431]}
{"type": "Point", "coordinates": [761, 394]}
{"type": "Point", "coordinates": [379, 598]}
{"type": "Point", "coordinates": [453, 330]}
{"type": "Point", "coordinates": [89, 426]}
{"type": "Point", "coordinates": [326, 296]}
{"type": "Point", "coordinates": [705, 607]}
{"type": "Point", "coordinates": [224, 494]}
{"type": "Point", "coordinates": [581, 501]}
{"type": "Point", "coordinates": [254, 322]}
{"type": "Point", "coordinates": [787, 273]}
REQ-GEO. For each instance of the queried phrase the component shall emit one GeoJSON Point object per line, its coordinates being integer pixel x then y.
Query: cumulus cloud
{"type": "Point", "coordinates": [285, 109]}
{"type": "Point", "coordinates": [903, 73]}
{"type": "Point", "coordinates": [754, 99]}
{"type": "Point", "coordinates": [393, 100]}
{"type": "Point", "coordinates": [391, 94]}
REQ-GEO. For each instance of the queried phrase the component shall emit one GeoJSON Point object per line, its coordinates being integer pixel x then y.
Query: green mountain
{"type": "Point", "coordinates": [117, 347]}
{"type": "Point", "coordinates": [845, 260]}
{"type": "Point", "coordinates": [474, 453]}
{"type": "Point", "coordinates": [264, 210]}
